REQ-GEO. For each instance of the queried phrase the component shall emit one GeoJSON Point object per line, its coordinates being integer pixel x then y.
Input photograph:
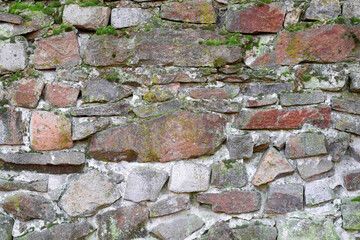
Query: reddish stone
{"type": "Point", "coordinates": [57, 51]}
{"type": "Point", "coordinates": [10, 128]}
{"type": "Point", "coordinates": [284, 198]}
{"type": "Point", "coordinates": [283, 119]}
{"type": "Point", "coordinates": [179, 135]}
{"type": "Point", "coordinates": [25, 93]}
{"type": "Point", "coordinates": [232, 201]}
{"type": "Point", "coordinates": [61, 95]}
{"type": "Point", "coordinates": [267, 18]}
{"type": "Point", "coordinates": [352, 180]}
{"type": "Point", "coordinates": [50, 131]}
{"type": "Point", "coordinates": [204, 93]}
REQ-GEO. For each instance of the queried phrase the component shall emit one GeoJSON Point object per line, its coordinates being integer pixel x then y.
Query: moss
{"type": "Point", "coordinates": [58, 30]}
{"type": "Point", "coordinates": [210, 27]}
{"type": "Point", "coordinates": [356, 199]}
{"type": "Point", "coordinates": [110, 30]}
{"type": "Point", "coordinates": [354, 20]}
{"type": "Point", "coordinates": [8, 80]}
{"type": "Point", "coordinates": [37, 7]}
{"type": "Point", "coordinates": [219, 62]}
{"type": "Point", "coordinates": [306, 77]}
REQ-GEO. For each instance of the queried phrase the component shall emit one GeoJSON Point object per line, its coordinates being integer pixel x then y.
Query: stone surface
{"type": "Point", "coordinates": [355, 79]}
{"type": "Point", "coordinates": [220, 230]}
{"type": "Point", "coordinates": [272, 165]}
{"type": "Point", "coordinates": [11, 131]}
{"type": "Point", "coordinates": [256, 232]}
{"type": "Point", "coordinates": [57, 51]}
{"type": "Point", "coordinates": [111, 109]}
{"type": "Point", "coordinates": [354, 148]}
{"type": "Point", "coordinates": [350, 214]}
{"type": "Point", "coordinates": [189, 177]}
{"type": "Point", "coordinates": [228, 174]}
{"type": "Point", "coordinates": [186, 134]}
{"type": "Point", "coordinates": [13, 56]}
{"type": "Point", "coordinates": [266, 88]}
{"type": "Point", "coordinates": [25, 93]}
{"type": "Point", "coordinates": [36, 185]}
{"type": "Point", "coordinates": [157, 109]}
{"type": "Point", "coordinates": [284, 198]}
{"type": "Point", "coordinates": [346, 122]}
{"type": "Point", "coordinates": [10, 18]}
{"type": "Point", "coordinates": [306, 144]}
{"type": "Point", "coordinates": [344, 105]}
{"type": "Point", "coordinates": [261, 141]}
{"type": "Point", "coordinates": [314, 168]}
{"type": "Point", "coordinates": [220, 106]}
{"type": "Point", "coordinates": [320, 9]}
{"type": "Point", "coordinates": [318, 192]}
{"type": "Point", "coordinates": [169, 205]}
{"type": "Point", "coordinates": [352, 180]}
{"type": "Point", "coordinates": [232, 201]}
{"type": "Point", "coordinates": [306, 98]}
{"type": "Point", "coordinates": [215, 93]}
{"type": "Point", "coordinates": [267, 18]}
{"type": "Point", "coordinates": [90, 192]}
{"type": "Point", "coordinates": [261, 101]}
{"type": "Point", "coordinates": [161, 93]}
{"type": "Point", "coordinates": [240, 146]}
{"type": "Point", "coordinates": [82, 128]}
{"type": "Point", "coordinates": [338, 146]}
{"type": "Point", "coordinates": [27, 206]}
{"type": "Point", "coordinates": [194, 11]}
{"type": "Point", "coordinates": [128, 17]}
{"type": "Point", "coordinates": [61, 95]}
{"type": "Point", "coordinates": [351, 9]}
{"type": "Point", "coordinates": [292, 17]}
{"type": "Point", "coordinates": [49, 158]}
{"type": "Point", "coordinates": [6, 228]}
{"type": "Point", "coordinates": [89, 18]}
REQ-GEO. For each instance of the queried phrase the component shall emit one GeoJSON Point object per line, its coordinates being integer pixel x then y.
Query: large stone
{"type": "Point", "coordinates": [157, 109]}
{"type": "Point", "coordinates": [40, 185]}
{"type": "Point", "coordinates": [272, 165]}
{"type": "Point", "coordinates": [232, 201]}
{"type": "Point", "coordinates": [219, 230]}
{"type": "Point", "coordinates": [352, 180]}
{"type": "Point", "coordinates": [350, 211]}
{"type": "Point", "coordinates": [228, 174]}
{"type": "Point", "coordinates": [57, 51]}
{"type": "Point", "coordinates": [111, 109]}
{"type": "Point", "coordinates": [169, 205]}
{"type": "Point", "coordinates": [85, 195]}
{"type": "Point", "coordinates": [194, 11]}
{"type": "Point", "coordinates": [61, 95]}
{"type": "Point", "coordinates": [284, 198]}
{"type": "Point", "coordinates": [220, 106]}
{"type": "Point", "coordinates": [13, 56]}
{"type": "Point", "coordinates": [6, 227]}
{"type": "Point", "coordinates": [346, 122]}
{"type": "Point", "coordinates": [315, 168]}
{"type": "Point", "coordinates": [129, 17]}
{"type": "Point", "coordinates": [10, 18]}
{"type": "Point", "coordinates": [306, 144]}
{"type": "Point", "coordinates": [344, 105]}
{"type": "Point", "coordinates": [183, 135]}
{"type": "Point", "coordinates": [89, 18]}
{"type": "Point", "coordinates": [306, 98]}
{"type": "Point", "coordinates": [11, 132]}
{"type": "Point", "coordinates": [214, 93]}
{"type": "Point", "coordinates": [25, 93]}
{"type": "Point", "coordinates": [351, 9]}
{"type": "Point", "coordinates": [85, 127]}
{"type": "Point", "coordinates": [255, 232]}
{"type": "Point", "coordinates": [318, 192]}
{"type": "Point", "coordinates": [240, 146]}
{"type": "Point", "coordinates": [189, 177]}
{"type": "Point", "coordinates": [49, 158]}
{"type": "Point", "coordinates": [320, 9]}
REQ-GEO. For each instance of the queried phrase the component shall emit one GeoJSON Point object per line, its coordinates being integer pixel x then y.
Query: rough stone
{"type": "Point", "coordinates": [219, 230]}
{"type": "Point", "coordinates": [344, 105]}
{"type": "Point", "coordinates": [161, 93]}
{"type": "Point", "coordinates": [240, 146]}
{"type": "Point", "coordinates": [157, 109]}
{"type": "Point", "coordinates": [215, 93]}
{"type": "Point", "coordinates": [25, 93]}
{"type": "Point", "coordinates": [292, 17]}
{"type": "Point", "coordinates": [261, 141]}
{"type": "Point", "coordinates": [266, 88]}
{"type": "Point", "coordinates": [339, 145]}
{"type": "Point", "coordinates": [6, 228]}
{"type": "Point", "coordinates": [355, 79]}
{"type": "Point", "coordinates": [10, 18]}
{"type": "Point", "coordinates": [49, 158]}
{"type": "Point", "coordinates": [284, 198]}
{"type": "Point", "coordinates": [350, 214]}
{"type": "Point", "coordinates": [346, 122]}
{"type": "Point", "coordinates": [262, 101]}
{"type": "Point", "coordinates": [352, 180]}
{"type": "Point", "coordinates": [228, 174]}
{"type": "Point", "coordinates": [351, 9]}
{"type": "Point", "coordinates": [82, 128]}
{"type": "Point", "coordinates": [220, 106]}
{"type": "Point", "coordinates": [314, 168]}
{"type": "Point", "coordinates": [256, 232]}
{"type": "Point", "coordinates": [306, 144]}
{"type": "Point", "coordinates": [37, 185]}
{"type": "Point", "coordinates": [306, 98]}
{"type": "Point", "coordinates": [320, 9]}
{"type": "Point", "coordinates": [354, 148]}
{"type": "Point", "coordinates": [11, 132]}
{"type": "Point", "coordinates": [169, 205]}
{"type": "Point", "coordinates": [318, 192]}
{"type": "Point", "coordinates": [111, 109]}
{"type": "Point", "coordinates": [61, 95]}
{"type": "Point", "coordinates": [13, 56]}
{"type": "Point", "coordinates": [129, 17]}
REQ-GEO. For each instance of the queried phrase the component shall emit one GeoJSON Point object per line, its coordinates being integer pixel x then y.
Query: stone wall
{"type": "Point", "coordinates": [226, 119]}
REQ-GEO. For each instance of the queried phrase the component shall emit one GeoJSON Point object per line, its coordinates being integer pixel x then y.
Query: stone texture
{"type": "Point", "coordinates": [189, 177]}
{"type": "Point", "coordinates": [261, 101]}
{"type": "Point", "coordinates": [228, 174]}
{"type": "Point", "coordinates": [240, 146]}
{"type": "Point", "coordinates": [10, 18]}
{"type": "Point", "coordinates": [232, 201]}
{"type": "Point", "coordinates": [194, 11]}
{"type": "Point", "coordinates": [6, 227]}
{"type": "Point", "coordinates": [82, 128]}
{"type": "Point", "coordinates": [49, 131]}
{"type": "Point", "coordinates": [344, 105]}
{"type": "Point", "coordinates": [256, 232]}
{"type": "Point", "coordinates": [261, 141]}
{"type": "Point", "coordinates": [220, 230]}
{"type": "Point", "coordinates": [355, 79]}
{"type": "Point", "coordinates": [352, 180]}
{"type": "Point", "coordinates": [169, 205]}
{"type": "Point", "coordinates": [306, 144]}
{"type": "Point", "coordinates": [284, 198]}
{"type": "Point", "coordinates": [49, 158]}
{"type": "Point", "coordinates": [25, 93]}
{"type": "Point", "coordinates": [306, 98]}
{"type": "Point", "coordinates": [85, 195]}
{"type": "Point", "coordinates": [350, 214]}
{"type": "Point", "coordinates": [215, 93]}
{"type": "Point", "coordinates": [346, 122]}
{"type": "Point", "coordinates": [318, 192]}
{"type": "Point", "coordinates": [57, 51]}
{"type": "Point", "coordinates": [283, 119]}
{"type": "Point", "coordinates": [161, 93]}
{"type": "Point", "coordinates": [320, 9]}
{"type": "Point", "coordinates": [272, 165]}
{"type": "Point", "coordinates": [354, 148]}
{"type": "Point", "coordinates": [89, 18]}
{"type": "Point", "coordinates": [351, 9]}
{"type": "Point", "coordinates": [292, 17]}
{"type": "Point", "coordinates": [13, 56]}
{"type": "Point", "coordinates": [11, 132]}
{"type": "Point", "coordinates": [27, 206]}
{"type": "Point", "coordinates": [111, 109]}
{"type": "Point", "coordinates": [129, 17]}
{"type": "Point", "coordinates": [338, 146]}
{"type": "Point", "coordinates": [314, 168]}
{"type": "Point", "coordinates": [61, 95]}
{"type": "Point", "coordinates": [157, 109]}
{"type": "Point", "coordinates": [36, 185]}
{"type": "Point", "coordinates": [266, 88]}
{"type": "Point", "coordinates": [220, 106]}
{"type": "Point", "coordinates": [186, 134]}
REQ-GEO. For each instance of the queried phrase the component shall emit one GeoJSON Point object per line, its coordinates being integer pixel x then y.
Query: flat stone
{"type": "Point", "coordinates": [37, 185]}
{"type": "Point", "coordinates": [272, 165]}
{"type": "Point", "coordinates": [306, 144]}
{"type": "Point", "coordinates": [354, 148]}
{"type": "Point", "coordinates": [161, 93]}
{"type": "Point", "coordinates": [351, 9]}
{"type": "Point", "coordinates": [261, 141]}
{"type": "Point", "coordinates": [261, 101]}
{"type": "Point", "coordinates": [284, 198]}
{"type": "Point", "coordinates": [82, 128]}
{"type": "Point", "coordinates": [90, 192]}
{"type": "Point", "coordinates": [13, 56]}
{"type": "Point", "coordinates": [266, 88]}
{"type": "Point", "coordinates": [355, 79]}
{"type": "Point", "coordinates": [6, 228]}
{"type": "Point", "coordinates": [157, 109]}
{"type": "Point", "coordinates": [350, 214]}
{"type": "Point", "coordinates": [220, 106]}
{"type": "Point", "coordinates": [318, 192]}
{"type": "Point", "coordinates": [319, 10]}
{"type": "Point", "coordinates": [10, 18]}
{"type": "Point", "coordinates": [169, 205]}
{"type": "Point", "coordinates": [61, 95]}
{"type": "Point", "coordinates": [144, 184]}
{"type": "Point", "coordinates": [346, 106]}
{"type": "Point", "coordinates": [240, 146]}
{"type": "Point", "coordinates": [228, 174]}
{"type": "Point", "coordinates": [11, 132]}
{"type": "Point", "coordinates": [314, 168]}
{"type": "Point", "coordinates": [346, 122]}
{"type": "Point", "coordinates": [214, 93]}
{"type": "Point", "coordinates": [292, 17]}
{"type": "Point", "coordinates": [306, 98]}
{"type": "Point", "coordinates": [46, 158]}
{"type": "Point", "coordinates": [220, 230]}
{"type": "Point", "coordinates": [25, 93]}
{"type": "Point", "coordinates": [255, 231]}
{"type": "Point", "coordinates": [352, 180]}
{"type": "Point", "coordinates": [111, 109]}
{"type": "Point", "coordinates": [89, 18]}
{"type": "Point", "coordinates": [339, 145]}
{"type": "Point", "coordinates": [129, 17]}
{"type": "Point", "coordinates": [189, 177]}
{"type": "Point", "coordinates": [232, 201]}
{"type": "Point", "coordinates": [183, 135]}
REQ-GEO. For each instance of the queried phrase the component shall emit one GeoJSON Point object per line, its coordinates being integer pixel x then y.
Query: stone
{"type": "Point", "coordinates": [283, 118]}
{"type": "Point", "coordinates": [49, 131]}
{"type": "Point", "coordinates": [220, 106]}
{"type": "Point", "coordinates": [306, 144]}
{"type": "Point", "coordinates": [232, 201]}
{"type": "Point", "coordinates": [83, 128]}
{"type": "Point", "coordinates": [320, 9]}
{"type": "Point", "coordinates": [346, 122]}
{"type": "Point", "coordinates": [88, 18]}
{"type": "Point", "coordinates": [346, 106]}
{"type": "Point", "coordinates": [11, 131]}
{"type": "Point", "coordinates": [354, 148]}
{"type": "Point", "coordinates": [292, 17]}
{"type": "Point", "coordinates": [351, 9]}
{"type": "Point", "coordinates": [90, 192]}
{"type": "Point", "coordinates": [169, 205]}
{"type": "Point", "coordinates": [219, 230]}
{"type": "Point", "coordinates": [129, 17]}
{"type": "Point", "coordinates": [157, 109]}
{"type": "Point", "coordinates": [306, 98]}
{"type": "Point", "coordinates": [10, 18]}
{"type": "Point", "coordinates": [183, 135]}
{"type": "Point", "coordinates": [13, 56]}
{"type": "Point", "coordinates": [352, 180]}
{"type": "Point", "coordinates": [125, 222]}
{"type": "Point", "coordinates": [101, 90]}
{"type": "Point", "coordinates": [261, 101]}
{"type": "Point", "coordinates": [261, 141]}
{"type": "Point", "coordinates": [350, 214]}
{"type": "Point", "coordinates": [144, 183]}
{"type": "Point", "coordinates": [189, 177]}
{"type": "Point", "coordinates": [240, 147]}
{"type": "Point", "coordinates": [25, 93]}
{"type": "Point", "coordinates": [339, 145]}
{"type": "Point", "coordinates": [45, 158]}
{"type": "Point", "coordinates": [272, 165]}
{"type": "Point", "coordinates": [194, 11]}
{"type": "Point", "coordinates": [315, 168]}
{"type": "Point", "coordinates": [57, 51]}
{"type": "Point", "coordinates": [264, 89]}
{"type": "Point", "coordinates": [178, 227]}
{"type": "Point", "coordinates": [27, 206]}
{"type": "Point", "coordinates": [354, 79]}
{"type": "Point", "coordinates": [318, 192]}
{"type": "Point", "coordinates": [61, 95]}
{"type": "Point", "coordinates": [228, 174]}
{"type": "Point", "coordinates": [6, 227]}
{"type": "Point", "coordinates": [214, 93]}
{"type": "Point", "coordinates": [162, 93]}
{"type": "Point", "coordinates": [110, 109]}
{"type": "Point", "coordinates": [255, 231]}
{"type": "Point", "coordinates": [37, 185]}
{"type": "Point", "coordinates": [284, 198]}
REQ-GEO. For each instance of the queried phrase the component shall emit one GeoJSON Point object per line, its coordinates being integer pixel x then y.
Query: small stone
{"type": "Point", "coordinates": [156, 109]}
{"type": "Point", "coordinates": [306, 144]}
{"type": "Point", "coordinates": [292, 17]}
{"type": "Point", "coordinates": [240, 146]}
{"type": "Point", "coordinates": [25, 93]}
{"type": "Point", "coordinates": [219, 230]}
{"type": "Point", "coordinates": [320, 9]}
{"type": "Point", "coordinates": [214, 93]}
{"type": "Point", "coordinates": [354, 77]}
{"type": "Point", "coordinates": [262, 101]}
{"type": "Point", "coordinates": [351, 9]}
{"type": "Point", "coordinates": [352, 180]}
{"type": "Point", "coordinates": [350, 214]}
{"type": "Point", "coordinates": [6, 227]}
{"type": "Point", "coordinates": [232, 201]}
{"type": "Point", "coordinates": [220, 106]}
{"type": "Point", "coordinates": [169, 205]}
{"type": "Point", "coordinates": [111, 109]}
{"type": "Point", "coordinates": [261, 142]}
{"type": "Point", "coordinates": [189, 177]}
{"type": "Point", "coordinates": [346, 122]}
{"type": "Point", "coordinates": [306, 98]}
{"type": "Point", "coordinates": [10, 18]}
{"type": "Point", "coordinates": [339, 145]}
{"type": "Point", "coordinates": [129, 17]}
{"type": "Point", "coordinates": [255, 231]}
{"type": "Point", "coordinates": [284, 198]}
{"type": "Point", "coordinates": [315, 168]}
{"type": "Point", "coordinates": [61, 95]}
{"type": "Point", "coordinates": [11, 132]}
{"type": "Point", "coordinates": [37, 185]}
{"type": "Point", "coordinates": [82, 128]}
{"type": "Point", "coordinates": [13, 56]}
{"type": "Point", "coordinates": [354, 148]}
{"type": "Point", "coordinates": [228, 174]}
{"type": "Point", "coordinates": [161, 93]}
{"type": "Point", "coordinates": [265, 89]}
{"type": "Point", "coordinates": [344, 105]}
{"type": "Point", "coordinates": [318, 192]}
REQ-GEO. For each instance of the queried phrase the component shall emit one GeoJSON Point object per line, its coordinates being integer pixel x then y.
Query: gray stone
{"type": "Point", "coordinates": [350, 211]}
{"type": "Point", "coordinates": [255, 231]}
{"type": "Point", "coordinates": [354, 148]}
{"type": "Point", "coordinates": [261, 141]}
{"type": "Point", "coordinates": [169, 205]}
{"type": "Point", "coordinates": [11, 131]}
{"type": "Point", "coordinates": [338, 146]}
{"type": "Point", "coordinates": [189, 177]}
{"type": "Point", "coordinates": [144, 184]}
{"type": "Point", "coordinates": [318, 192]}
{"type": "Point", "coordinates": [111, 109]}
{"type": "Point", "coordinates": [266, 88]}
{"type": "Point", "coordinates": [352, 180]}
{"type": "Point", "coordinates": [240, 146]}
{"type": "Point", "coordinates": [161, 93]}
{"type": "Point", "coordinates": [49, 158]}
{"type": "Point", "coordinates": [228, 174]}
{"type": "Point", "coordinates": [10, 18]}
{"type": "Point", "coordinates": [178, 227]}
{"type": "Point", "coordinates": [40, 185]}
{"type": "Point", "coordinates": [13, 56]}
{"type": "Point", "coordinates": [306, 98]}
{"type": "Point", "coordinates": [320, 9]}
{"type": "Point", "coordinates": [284, 198]}
{"type": "Point", "coordinates": [260, 101]}
{"type": "Point", "coordinates": [6, 227]}
{"type": "Point", "coordinates": [346, 122]}
{"type": "Point", "coordinates": [355, 74]}
{"type": "Point", "coordinates": [128, 17]}
{"type": "Point", "coordinates": [344, 105]}
{"type": "Point", "coordinates": [219, 230]}
{"type": "Point", "coordinates": [156, 109]}
{"type": "Point", "coordinates": [220, 106]}
{"type": "Point", "coordinates": [292, 17]}
{"type": "Point", "coordinates": [85, 127]}
{"type": "Point", "coordinates": [90, 192]}
{"type": "Point", "coordinates": [315, 168]}
{"type": "Point", "coordinates": [306, 144]}
{"type": "Point", "coordinates": [351, 9]}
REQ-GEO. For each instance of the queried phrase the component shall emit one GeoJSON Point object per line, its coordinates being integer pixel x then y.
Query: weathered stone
{"type": "Point", "coordinates": [10, 18]}
{"type": "Point", "coordinates": [240, 146]}
{"type": "Point", "coordinates": [161, 93]}
{"type": "Point", "coordinates": [111, 109]}
{"type": "Point", "coordinates": [144, 184]}
{"type": "Point", "coordinates": [266, 88]}
{"type": "Point", "coordinates": [354, 148]}
{"type": "Point", "coordinates": [49, 131]}
{"type": "Point", "coordinates": [13, 55]}
{"type": "Point", "coordinates": [350, 214]}
{"type": "Point", "coordinates": [76, 74]}
{"type": "Point", "coordinates": [256, 232]}
{"type": "Point", "coordinates": [228, 173]}
{"type": "Point", "coordinates": [318, 192]}
{"type": "Point", "coordinates": [346, 122]}
{"type": "Point", "coordinates": [189, 177]}
{"type": "Point", "coordinates": [25, 93]}
{"type": "Point", "coordinates": [261, 101]}
{"type": "Point", "coordinates": [88, 193]}
{"type": "Point", "coordinates": [320, 9]}
{"type": "Point", "coordinates": [306, 144]}
{"type": "Point", "coordinates": [351, 9]}
{"type": "Point", "coordinates": [220, 106]}
{"type": "Point", "coordinates": [89, 18]}
{"type": "Point", "coordinates": [194, 11]}
{"type": "Point", "coordinates": [157, 109]}
{"type": "Point", "coordinates": [129, 17]}
{"type": "Point", "coordinates": [49, 158]}
{"type": "Point", "coordinates": [284, 198]}
{"type": "Point", "coordinates": [85, 127]}
{"type": "Point", "coordinates": [6, 227]}
{"type": "Point", "coordinates": [292, 17]}
{"type": "Point", "coordinates": [283, 119]}
{"type": "Point", "coordinates": [219, 230]}
{"type": "Point", "coordinates": [37, 20]}
{"type": "Point", "coordinates": [293, 99]}
{"type": "Point", "coordinates": [37, 185]}
{"type": "Point", "coordinates": [273, 164]}
{"type": "Point", "coordinates": [125, 222]}
{"type": "Point", "coordinates": [261, 141]}
{"type": "Point", "coordinates": [338, 146]}
{"type": "Point", "coordinates": [183, 135]}
{"type": "Point", "coordinates": [232, 201]}
{"type": "Point", "coordinates": [11, 132]}
{"type": "Point", "coordinates": [344, 105]}
{"type": "Point", "coordinates": [355, 79]}
{"type": "Point", "coordinates": [267, 18]}
{"type": "Point", "coordinates": [169, 205]}
{"type": "Point", "coordinates": [61, 95]}
{"type": "Point", "coordinates": [215, 93]}
{"type": "Point", "coordinates": [352, 180]}
{"type": "Point", "coordinates": [315, 168]}
{"type": "Point", "coordinates": [27, 206]}
{"type": "Point", "coordinates": [178, 227]}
